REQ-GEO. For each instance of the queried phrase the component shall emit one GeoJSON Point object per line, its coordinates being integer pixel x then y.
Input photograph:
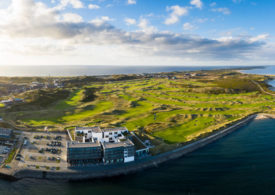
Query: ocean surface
{"type": "Point", "coordinates": [272, 83]}
{"type": "Point", "coordinates": [96, 70]}
{"type": "Point", "coordinates": [240, 163]}
{"type": "Point", "coordinates": [266, 70]}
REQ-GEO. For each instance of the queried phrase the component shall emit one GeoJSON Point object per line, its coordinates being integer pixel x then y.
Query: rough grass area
{"type": "Point", "coordinates": [167, 111]}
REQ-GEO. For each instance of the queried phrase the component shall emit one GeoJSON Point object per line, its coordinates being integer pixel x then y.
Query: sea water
{"type": "Point", "coordinates": [96, 70]}
{"type": "Point", "coordinates": [240, 163]}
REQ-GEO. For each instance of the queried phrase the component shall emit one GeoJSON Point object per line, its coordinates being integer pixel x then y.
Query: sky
{"type": "Point", "coordinates": [137, 32]}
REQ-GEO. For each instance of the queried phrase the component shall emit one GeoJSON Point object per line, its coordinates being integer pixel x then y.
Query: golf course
{"type": "Point", "coordinates": [167, 110]}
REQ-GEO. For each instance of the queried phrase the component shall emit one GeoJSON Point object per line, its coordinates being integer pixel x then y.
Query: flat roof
{"type": "Point", "coordinates": [115, 129]}
{"type": "Point", "coordinates": [83, 145]}
{"type": "Point", "coordinates": [97, 129]}
{"type": "Point", "coordinates": [94, 129]}
{"type": "Point", "coordinates": [126, 143]}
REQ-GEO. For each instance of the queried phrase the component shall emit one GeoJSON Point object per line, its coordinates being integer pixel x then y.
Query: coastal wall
{"type": "Point", "coordinates": [103, 171]}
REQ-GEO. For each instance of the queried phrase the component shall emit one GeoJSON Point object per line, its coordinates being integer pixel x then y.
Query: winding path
{"type": "Point", "coordinates": [262, 89]}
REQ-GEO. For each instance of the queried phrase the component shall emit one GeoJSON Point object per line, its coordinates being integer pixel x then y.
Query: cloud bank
{"type": "Point", "coordinates": [43, 30]}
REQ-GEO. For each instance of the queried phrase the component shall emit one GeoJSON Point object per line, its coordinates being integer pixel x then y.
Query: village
{"type": "Point", "coordinates": [8, 91]}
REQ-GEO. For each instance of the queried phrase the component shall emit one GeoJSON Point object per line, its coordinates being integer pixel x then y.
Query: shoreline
{"type": "Point", "coordinates": [97, 172]}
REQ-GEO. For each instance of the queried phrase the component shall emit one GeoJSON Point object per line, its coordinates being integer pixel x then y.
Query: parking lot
{"type": "Point", "coordinates": [4, 151]}
{"type": "Point", "coordinates": [45, 151]}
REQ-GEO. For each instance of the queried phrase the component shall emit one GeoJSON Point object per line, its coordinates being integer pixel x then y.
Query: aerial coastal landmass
{"type": "Point", "coordinates": [139, 97]}
{"type": "Point", "coordinates": [59, 123]}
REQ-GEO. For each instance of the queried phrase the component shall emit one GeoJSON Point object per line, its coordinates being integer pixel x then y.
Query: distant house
{"type": "Point", "coordinates": [50, 86]}
{"type": "Point", "coordinates": [17, 100]}
{"type": "Point", "coordinates": [11, 101]}
{"type": "Point", "coordinates": [7, 102]}
{"type": "Point", "coordinates": [58, 83]}
{"type": "Point", "coordinates": [37, 85]}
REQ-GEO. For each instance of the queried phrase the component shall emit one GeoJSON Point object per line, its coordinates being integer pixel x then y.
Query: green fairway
{"type": "Point", "coordinates": [74, 100]}
{"type": "Point", "coordinates": [100, 107]}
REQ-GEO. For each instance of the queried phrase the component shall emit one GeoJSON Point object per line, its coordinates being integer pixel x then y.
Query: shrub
{"type": "Point", "coordinates": [237, 84]}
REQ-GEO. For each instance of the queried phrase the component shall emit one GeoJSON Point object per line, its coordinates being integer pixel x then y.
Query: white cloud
{"type": "Point", "coordinates": [100, 21]}
{"type": "Point", "coordinates": [237, 1]}
{"type": "Point", "coordinates": [32, 32]}
{"type": "Point", "coordinates": [131, 2]}
{"type": "Point", "coordinates": [176, 13]}
{"type": "Point", "coordinates": [93, 6]}
{"type": "Point", "coordinates": [259, 38]}
{"type": "Point", "coordinates": [77, 4]}
{"type": "Point", "coordinates": [72, 18]}
{"type": "Point", "coordinates": [197, 3]}
{"type": "Point", "coordinates": [223, 10]}
{"type": "Point", "coordinates": [202, 20]}
{"type": "Point", "coordinates": [130, 21]}
{"type": "Point", "coordinates": [109, 5]}
{"type": "Point", "coordinates": [187, 26]}
{"type": "Point", "coordinates": [145, 26]}
{"type": "Point", "coordinates": [213, 4]}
